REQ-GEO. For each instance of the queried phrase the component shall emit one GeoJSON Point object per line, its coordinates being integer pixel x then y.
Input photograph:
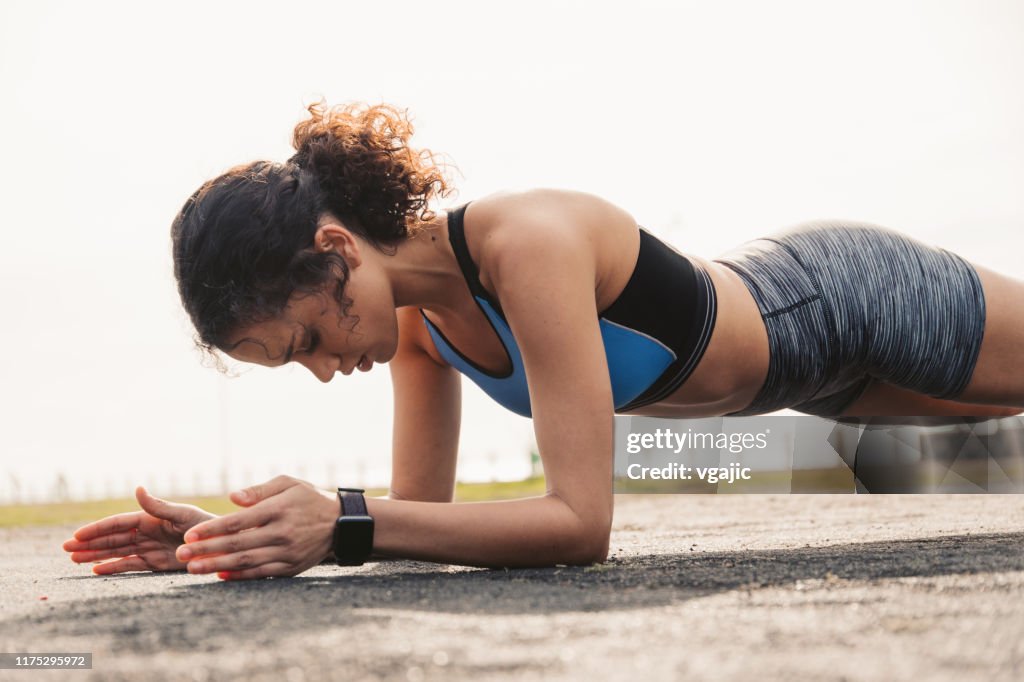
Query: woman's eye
{"type": "Point", "coordinates": [314, 341]}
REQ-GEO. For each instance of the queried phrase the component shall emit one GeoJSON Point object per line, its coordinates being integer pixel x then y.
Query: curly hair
{"type": "Point", "coordinates": [243, 242]}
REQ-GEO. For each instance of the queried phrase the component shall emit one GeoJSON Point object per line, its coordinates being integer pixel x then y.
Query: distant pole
{"type": "Point", "coordinates": [15, 488]}
{"type": "Point", "coordinates": [536, 466]}
{"type": "Point", "coordinates": [61, 493]}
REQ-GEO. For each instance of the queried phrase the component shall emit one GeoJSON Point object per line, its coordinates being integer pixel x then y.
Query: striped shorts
{"type": "Point", "coordinates": [847, 302]}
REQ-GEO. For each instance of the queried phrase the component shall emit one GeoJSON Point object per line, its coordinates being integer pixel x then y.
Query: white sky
{"type": "Point", "coordinates": [712, 123]}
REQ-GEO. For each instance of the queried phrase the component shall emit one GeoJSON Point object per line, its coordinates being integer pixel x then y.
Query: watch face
{"type": "Point", "coordinates": [353, 539]}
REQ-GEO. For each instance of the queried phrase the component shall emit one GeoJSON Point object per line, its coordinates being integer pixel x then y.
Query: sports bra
{"type": "Point", "coordinates": [654, 333]}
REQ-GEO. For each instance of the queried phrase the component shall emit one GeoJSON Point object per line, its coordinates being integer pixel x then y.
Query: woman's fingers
{"type": "Point", "coordinates": [154, 505]}
{"type": "Point", "coordinates": [131, 563]}
{"type": "Point", "coordinates": [226, 544]}
{"type": "Point", "coordinates": [101, 542]}
{"type": "Point", "coordinates": [88, 556]}
{"type": "Point", "coordinates": [238, 561]}
{"type": "Point", "coordinates": [247, 497]}
{"type": "Point", "coordinates": [111, 524]}
{"type": "Point", "coordinates": [160, 508]}
{"type": "Point", "coordinates": [253, 517]}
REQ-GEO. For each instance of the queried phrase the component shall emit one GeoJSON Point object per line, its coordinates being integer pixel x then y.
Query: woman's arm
{"type": "Point", "coordinates": [427, 414]}
{"type": "Point", "coordinates": [544, 275]}
{"type": "Point", "coordinates": [537, 531]}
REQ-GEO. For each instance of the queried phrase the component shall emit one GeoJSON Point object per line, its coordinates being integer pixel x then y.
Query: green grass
{"type": "Point", "coordinates": [505, 490]}
{"type": "Point", "coordinates": [13, 516]}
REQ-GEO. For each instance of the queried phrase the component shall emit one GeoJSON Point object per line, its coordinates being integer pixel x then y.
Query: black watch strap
{"type": "Point", "coordinates": [352, 501]}
{"type": "Point", "coordinates": [352, 543]}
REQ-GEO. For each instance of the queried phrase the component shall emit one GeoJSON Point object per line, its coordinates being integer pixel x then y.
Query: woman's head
{"type": "Point", "coordinates": [243, 243]}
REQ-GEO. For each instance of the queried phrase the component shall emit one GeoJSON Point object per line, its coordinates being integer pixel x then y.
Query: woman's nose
{"type": "Point", "coordinates": [323, 368]}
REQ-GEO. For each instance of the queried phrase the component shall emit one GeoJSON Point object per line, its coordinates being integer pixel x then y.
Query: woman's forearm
{"type": "Point", "coordinates": [536, 531]}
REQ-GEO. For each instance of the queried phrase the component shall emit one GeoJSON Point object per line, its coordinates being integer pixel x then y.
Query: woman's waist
{"type": "Point", "coordinates": [735, 363]}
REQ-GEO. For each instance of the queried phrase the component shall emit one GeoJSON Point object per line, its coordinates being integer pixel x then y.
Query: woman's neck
{"type": "Point", "coordinates": [424, 271]}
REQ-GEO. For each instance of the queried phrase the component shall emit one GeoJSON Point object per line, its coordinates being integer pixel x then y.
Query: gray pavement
{"type": "Point", "coordinates": [709, 587]}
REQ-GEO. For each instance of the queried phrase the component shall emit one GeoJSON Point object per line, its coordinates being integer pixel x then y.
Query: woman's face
{"type": "Point", "coordinates": [313, 332]}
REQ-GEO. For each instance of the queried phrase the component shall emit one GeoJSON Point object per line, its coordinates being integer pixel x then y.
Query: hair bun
{"type": "Point", "coordinates": [369, 174]}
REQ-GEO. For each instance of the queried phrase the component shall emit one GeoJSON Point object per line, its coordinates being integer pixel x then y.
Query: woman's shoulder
{"type": "Point", "coordinates": [508, 223]}
{"type": "Point", "coordinates": [568, 209]}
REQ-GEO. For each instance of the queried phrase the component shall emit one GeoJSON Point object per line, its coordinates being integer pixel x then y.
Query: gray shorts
{"type": "Point", "coordinates": [847, 302]}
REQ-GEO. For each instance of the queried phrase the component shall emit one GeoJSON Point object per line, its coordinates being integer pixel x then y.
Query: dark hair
{"type": "Point", "coordinates": [242, 243]}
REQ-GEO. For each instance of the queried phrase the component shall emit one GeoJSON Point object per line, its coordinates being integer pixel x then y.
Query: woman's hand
{"type": "Point", "coordinates": [286, 529]}
{"type": "Point", "coordinates": [143, 540]}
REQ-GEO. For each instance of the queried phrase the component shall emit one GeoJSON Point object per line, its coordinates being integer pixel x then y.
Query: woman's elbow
{"type": "Point", "coordinates": [586, 537]}
{"type": "Point", "coordinates": [601, 553]}
{"type": "Point", "coordinates": [592, 548]}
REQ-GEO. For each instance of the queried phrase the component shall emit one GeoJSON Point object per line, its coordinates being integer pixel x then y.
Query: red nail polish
{"type": "Point", "coordinates": [223, 575]}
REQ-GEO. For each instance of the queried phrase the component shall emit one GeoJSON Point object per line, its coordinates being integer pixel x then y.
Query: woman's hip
{"type": "Point", "coordinates": [843, 302]}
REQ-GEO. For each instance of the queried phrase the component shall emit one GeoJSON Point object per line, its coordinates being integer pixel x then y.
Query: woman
{"type": "Point", "coordinates": [559, 306]}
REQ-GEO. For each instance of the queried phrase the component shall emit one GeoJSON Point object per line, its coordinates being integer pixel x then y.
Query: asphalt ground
{"type": "Point", "coordinates": [709, 587]}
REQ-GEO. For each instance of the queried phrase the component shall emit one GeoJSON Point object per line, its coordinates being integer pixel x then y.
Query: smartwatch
{"type": "Point", "coordinates": [353, 531]}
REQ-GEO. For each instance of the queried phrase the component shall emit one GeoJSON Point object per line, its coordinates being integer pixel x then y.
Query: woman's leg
{"type": "Point", "coordinates": [998, 377]}
{"type": "Point", "coordinates": [996, 387]}
{"type": "Point", "coordinates": [881, 399]}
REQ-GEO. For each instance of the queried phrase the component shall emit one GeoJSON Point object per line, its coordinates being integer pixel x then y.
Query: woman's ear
{"type": "Point", "coordinates": [331, 236]}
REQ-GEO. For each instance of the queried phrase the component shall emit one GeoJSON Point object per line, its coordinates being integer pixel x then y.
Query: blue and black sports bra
{"type": "Point", "coordinates": [654, 333]}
